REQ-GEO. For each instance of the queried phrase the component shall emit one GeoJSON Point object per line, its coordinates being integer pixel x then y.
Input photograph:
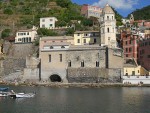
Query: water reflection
{"type": "Point", "coordinates": [79, 100]}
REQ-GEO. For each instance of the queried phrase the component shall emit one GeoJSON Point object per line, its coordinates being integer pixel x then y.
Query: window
{"type": "Point", "coordinates": [43, 20]}
{"type": "Point", "coordinates": [130, 41]}
{"type": "Point", "coordinates": [50, 58]}
{"type": "Point", "coordinates": [84, 41]}
{"type": "Point", "coordinates": [145, 43]}
{"type": "Point", "coordinates": [112, 17]}
{"type": "Point", "coordinates": [126, 49]}
{"type": "Point", "coordinates": [62, 46]}
{"type": "Point", "coordinates": [51, 19]}
{"type": "Point", "coordinates": [78, 34]}
{"type": "Point", "coordinates": [148, 56]}
{"type": "Point", "coordinates": [108, 38]}
{"type": "Point", "coordinates": [108, 30]}
{"type": "Point", "coordinates": [43, 26]}
{"type": "Point", "coordinates": [133, 72]}
{"type": "Point", "coordinates": [69, 64]}
{"type": "Point", "coordinates": [78, 40]}
{"type": "Point", "coordinates": [97, 64]}
{"type": "Point", "coordinates": [130, 49]}
{"type": "Point", "coordinates": [82, 64]}
{"type": "Point", "coordinates": [94, 40]}
{"type": "Point", "coordinates": [50, 25]}
{"type": "Point", "coordinates": [143, 51]}
{"type": "Point", "coordinates": [85, 34]}
{"type": "Point", "coordinates": [29, 39]}
{"type": "Point", "coordinates": [60, 56]}
{"type": "Point", "coordinates": [27, 33]}
{"type": "Point", "coordinates": [51, 47]}
{"type": "Point", "coordinates": [127, 55]}
{"type": "Point", "coordinates": [138, 71]}
{"type": "Point", "coordinates": [126, 42]}
{"type": "Point", "coordinates": [107, 17]}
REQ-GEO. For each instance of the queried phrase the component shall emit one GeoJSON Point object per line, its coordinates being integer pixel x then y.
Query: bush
{"type": "Point", "coordinates": [6, 33]}
{"type": "Point", "coordinates": [8, 11]}
{"type": "Point", "coordinates": [46, 32]}
{"type": "Point", "coordinates": [70, 31]}
{"type": "Point", "coordinates": [87, 22]}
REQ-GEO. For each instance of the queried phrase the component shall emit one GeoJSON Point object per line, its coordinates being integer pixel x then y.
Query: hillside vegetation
{"type": "Point", "coordinates": [22, 14]}
{"type": "Point", "coordinates": [141, 14]}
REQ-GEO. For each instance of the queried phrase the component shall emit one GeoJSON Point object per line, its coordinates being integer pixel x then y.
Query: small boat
{"type": "Point", "coordinates": [4, 88]}
{"type": "Point", "coordinates": [22, 95]}
{"type": "Point", "coordinates": [4, 94]}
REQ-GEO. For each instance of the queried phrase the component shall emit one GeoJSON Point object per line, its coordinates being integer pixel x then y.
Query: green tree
{"type": "Point", "coordinates": [64, 3]}
{"type": "Point", "coordinates": [5, 33]}
{"type": "Point", "coordinates": [87, 22]}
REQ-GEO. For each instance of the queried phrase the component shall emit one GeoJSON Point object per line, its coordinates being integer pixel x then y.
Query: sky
{"type": "Point", "coordinates": [123, 7]}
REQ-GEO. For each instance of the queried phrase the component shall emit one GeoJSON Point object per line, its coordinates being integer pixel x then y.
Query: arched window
{"type": "Point", "coordinates": [82, 64]}
{"type": "Point", "coordinates": [108, 30]}
{"type": "Point", "coordinates": [107, 17]}
{"type": "Point", "coordinates": [51, 47]}
{"type": "Point", "coordinates": [69, 64]}
{"type": "Point", "coordinates": [97, 64]}
{"type": "Point", "coordinates": [112, 17]}
{"type": "Point", "coordinates": [62, 46]}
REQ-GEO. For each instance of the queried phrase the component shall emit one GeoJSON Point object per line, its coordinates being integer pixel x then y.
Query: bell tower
{"type": "Point", "coordinates": [108, 27]}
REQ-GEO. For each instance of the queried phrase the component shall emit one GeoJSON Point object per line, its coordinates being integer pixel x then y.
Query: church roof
{"type": "Point", "coordinates": [107, 9]}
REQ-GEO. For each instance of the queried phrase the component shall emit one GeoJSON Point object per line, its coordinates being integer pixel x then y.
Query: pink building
{"type": "Point", "coordinates": [129, 45]}
{"type": "Point", "coordinates": [91, 11]}
{"type": "Point", "coordinates": [144, 53]}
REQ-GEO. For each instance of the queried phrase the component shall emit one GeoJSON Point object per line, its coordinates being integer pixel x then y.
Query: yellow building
{"type": "Point", "coordinates": [132, 70]}
{"type": "Point", "coordinates": [86, 37]}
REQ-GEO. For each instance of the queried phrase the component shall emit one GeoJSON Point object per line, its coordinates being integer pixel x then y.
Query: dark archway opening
{"type": "Point", "coordinates": [55, 78]}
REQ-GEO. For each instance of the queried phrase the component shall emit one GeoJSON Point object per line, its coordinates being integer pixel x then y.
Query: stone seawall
{"type": "Point", "coordinates": [93, 75]}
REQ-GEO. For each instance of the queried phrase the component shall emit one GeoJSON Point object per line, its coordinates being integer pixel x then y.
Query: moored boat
{"type": "Point", "coordinates": [4, 94]}
{"type": "Point", "coordinates": [4, 88]}
{"type": "Point", "coordinates": [22, 95]}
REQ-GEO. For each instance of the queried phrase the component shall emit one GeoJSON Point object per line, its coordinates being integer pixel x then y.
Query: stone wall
{"type": "Point", "coordinates": [18, 50]}
{"type": "Point", "coordinates": [15, 57]}
{"type": "Point", "coordinates": [88, 56]}
{"type": "Point", "coordinates": [31, 72]}
{"type": "Point", "coordinates": [93, 75]}
{"type": "Point", "coordinates": [12, 65]}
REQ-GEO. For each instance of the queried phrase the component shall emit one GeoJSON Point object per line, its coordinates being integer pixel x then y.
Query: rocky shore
{"type": "Point", "coordinates": [80, 85]}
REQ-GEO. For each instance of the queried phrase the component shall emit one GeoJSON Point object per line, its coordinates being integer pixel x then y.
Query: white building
{"type": "Point", "coordinates": [108, 27]}
{"type": "Point", "coordinates": [26, 36]}
{"type": "Point", "coordinates": [48, 22]}
{"type": "Point", "coordinates": [125, 21]}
